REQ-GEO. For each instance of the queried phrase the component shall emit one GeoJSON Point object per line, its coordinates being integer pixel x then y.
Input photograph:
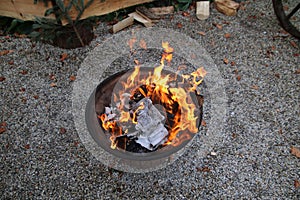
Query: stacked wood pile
{"type": "Point", "coordinates": [27, 10]}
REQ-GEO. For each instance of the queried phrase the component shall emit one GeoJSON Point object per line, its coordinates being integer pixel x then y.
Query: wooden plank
{"type": "Point", "coordinates": [140, 19]}
{"type": "Point", "coordinates": [98, 7]}
{"type": "Point", "coordinates": [202, 10]}
{"type": "Point", "coordinates": [162, 10]}
{"type": "Point", "coordinates": [23, 9]}
{"type": "Point", "coordinates": [147, 14]}
{"type": "Point", "coordinates": [122, 24]}
{"type": "Point", "coordinates": [227, 7]}
{"type": "Point", "coordinates": [27, 10]}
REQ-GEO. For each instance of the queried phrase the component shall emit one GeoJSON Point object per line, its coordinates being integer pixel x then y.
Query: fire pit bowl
{"type": "Point", "coordinates": [119, 158]}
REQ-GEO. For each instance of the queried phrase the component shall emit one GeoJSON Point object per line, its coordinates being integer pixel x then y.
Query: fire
{"type": "Point", "coordinates": [158, 87]}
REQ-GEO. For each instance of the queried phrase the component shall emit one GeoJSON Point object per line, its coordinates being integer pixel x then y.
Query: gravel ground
{"type": "Point", "coordinates": [42, 156]}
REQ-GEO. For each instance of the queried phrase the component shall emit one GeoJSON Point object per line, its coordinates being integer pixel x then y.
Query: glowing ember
{"type": "Point", "coordinates": [171, 91]}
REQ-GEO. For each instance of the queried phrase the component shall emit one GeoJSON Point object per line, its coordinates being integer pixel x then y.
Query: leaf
{"type": "Point", "coordinates": [3, 124]}
{"type": "Point", "coordinates": [53, 85]}
{"type": "Point", "coordinates": [294, 44]}
{"type": "Point", "coordinates": [255, 87]}
{"type": "Point", "coordinates": [5, 52]}
{"type": "Point", "coordinates": [72, 78]}
{"type": "Point", "coordinates": [203, 169]}
{"type": "Point", "coordinates": [61, 5]}
{"type": "Point", "coordinates": [202, 33]}
{"type": "Point", "coordinates": [238, 77]}
{"type": "Point", "coordinates": [236, 71]}
{"type": "Point", "coordinates": [24, 72]}
{"type": "Point", "coordinates": [52, 77]}
{"type": "Point", "coordinates": [2, 130]}
{"type": "Point", "coordinates": [296, 183]}
{"type": "Point", "coordinates": [226, 61]}
{"type": "Point", "coordinates": [13, 24]}
{"type": "Point", "coordinates": [35, 34]}
{"type": "Point", "coordinates": [2, 78]}
{"type": "Point", "coordinates": [81, 3]}
{"type": "Point", "coordinates": [179, 25]}
{"type": "Point", "coordinates": [185, 14]}
{"type": "Point", "coordinates": [232, 63]}
{"type": "Point", "coordinates": [184, 1]}
{"type": "Point", "coordinates": [227, 35]}
{"type": "Point", "coordinates": [63, 56]}
{"type": "Point", "coordinates": [203, 123]}
{"type": "Point", "coordinates": [297, 71]}
{"type": "Point", "coordinates": [219, 26]}
{"type": "Point", "coordinates": [27, 146]}
{"type": "Point", "coordinates": [36, 26]}
{"type": "Point", "coordinates": [295, 151]}
{"type": "Point", "coordinates": [49, 11]}
{"type": "Point", "coordinates": [69, 6]}
{"type": "Point", "coordinates": [62, 130]}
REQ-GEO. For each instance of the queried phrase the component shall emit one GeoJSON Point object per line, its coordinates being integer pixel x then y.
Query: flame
{"type": "Point", "coordinates": [176, 99]}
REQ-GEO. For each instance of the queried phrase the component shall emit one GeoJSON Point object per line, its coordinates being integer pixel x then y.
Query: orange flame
{"type": "Point", "coordinates": [176, 100]}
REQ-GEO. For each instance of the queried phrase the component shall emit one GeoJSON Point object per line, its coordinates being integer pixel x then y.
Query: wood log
{"type": "Point", "coordinates": [24, 9]}
{"type": "Point", "coordinates": [98, 7]}
{"type": "Point", "coordinates": [162, 10]}
{"type": "Point", "coordinates": [27, 10]}
{"type": "Point", "coordinates": [227, 7]}
{"type": "Point", "coordinates": [122, 24]}
{"type": "Point", "coordinates": [202, 10]}
{"type": "Point", "coordinates": [147, 14]}
{"type": "Point", "coordinates": [141, 19]}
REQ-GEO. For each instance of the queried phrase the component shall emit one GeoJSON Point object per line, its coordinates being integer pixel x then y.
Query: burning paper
{"type": "Point", "coordinates": [151, 131]}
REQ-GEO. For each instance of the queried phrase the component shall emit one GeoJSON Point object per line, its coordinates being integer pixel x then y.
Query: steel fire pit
{"type": "Point", "coordinates": [121, 159]}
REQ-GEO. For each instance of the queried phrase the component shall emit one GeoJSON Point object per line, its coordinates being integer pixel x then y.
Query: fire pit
{"type": "Point", "coordinates": [111, 58]}
{"type": "Point", "coordinates": [145, 115]}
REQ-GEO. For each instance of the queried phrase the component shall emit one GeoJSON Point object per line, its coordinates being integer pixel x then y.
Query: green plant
{"type": "Point", "coordinates": [50, 30]}
{"type": "Point", "coordinates": [10, 25]}
{"type": "Point", "coordinates": [183, 4]}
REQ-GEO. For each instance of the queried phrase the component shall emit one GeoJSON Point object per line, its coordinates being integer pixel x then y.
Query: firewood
{"type": "Point", "coordinates": [162, 10]}
{"type": "Point", "coordinates": [202, 10]}
{"type": "Point", "coordinates": [141, 19]}
{"type": "Point", "coordinates": [227, 7]}
{"type": "Point", "coordinates": [147, 14]}
{"type": "Point", "coordinates": [122, 24]}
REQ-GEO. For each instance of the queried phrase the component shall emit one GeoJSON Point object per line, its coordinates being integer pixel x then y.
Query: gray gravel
{"type": "Point", "coordinates": [42, 156]}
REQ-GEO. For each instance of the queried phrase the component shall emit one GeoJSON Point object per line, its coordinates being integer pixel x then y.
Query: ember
{"type": "Point", "coordinates": [152, 109]}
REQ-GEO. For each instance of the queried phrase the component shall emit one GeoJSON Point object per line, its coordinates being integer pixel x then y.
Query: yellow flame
{"type": "Point", "coordinates": [157, 86]}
